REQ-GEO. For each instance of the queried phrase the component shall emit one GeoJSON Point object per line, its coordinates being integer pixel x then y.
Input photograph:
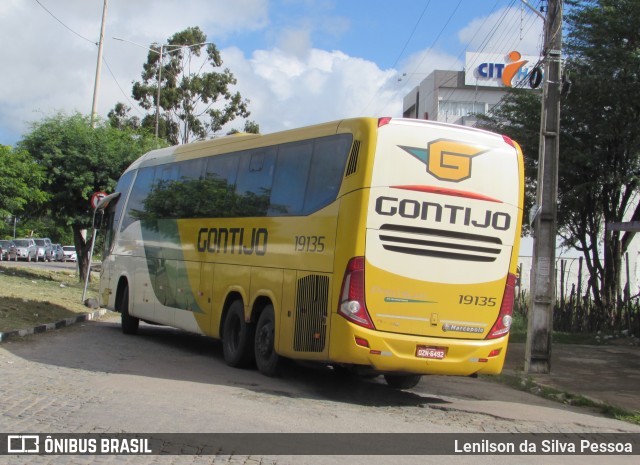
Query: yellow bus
{"type": "Point", "coordinates": [380, 245]}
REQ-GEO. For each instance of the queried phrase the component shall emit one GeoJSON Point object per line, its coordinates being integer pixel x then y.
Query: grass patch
{"type": "Point", "coordinates": [518, 333]}
{"type": "Point", "coordinates": [30, 297]}
{"type": "Point", "coordinates": [525, 383]}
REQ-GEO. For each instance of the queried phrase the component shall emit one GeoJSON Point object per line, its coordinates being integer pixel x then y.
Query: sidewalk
{"type": "Point", "coordinates": [607, 373]}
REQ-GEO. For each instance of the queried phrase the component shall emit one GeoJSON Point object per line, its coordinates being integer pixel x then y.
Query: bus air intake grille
{"type": "Point", "coordinates": [352, 165]}
{"type": "Point", "coordinates": [439, 243]}
{"type": "Point", "coordinates": [312, 300]}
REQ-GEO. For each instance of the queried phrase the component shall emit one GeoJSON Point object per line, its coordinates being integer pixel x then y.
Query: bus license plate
{"type": "Point", "coordinates": [437, 353]}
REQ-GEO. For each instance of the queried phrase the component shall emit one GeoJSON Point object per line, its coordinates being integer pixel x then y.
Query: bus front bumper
{"type": "Point", "coordinates": [387, 352]}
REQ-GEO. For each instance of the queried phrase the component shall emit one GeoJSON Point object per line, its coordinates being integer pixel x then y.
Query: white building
{"type": "Point", "coordinates": [454, 96]}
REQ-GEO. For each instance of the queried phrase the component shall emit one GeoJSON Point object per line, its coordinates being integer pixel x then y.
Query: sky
{"type": "Point", "coordinates": [298, 62]}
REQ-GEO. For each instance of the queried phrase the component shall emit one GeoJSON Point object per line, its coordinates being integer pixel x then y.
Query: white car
{"type": "Point", "coordinates": [69, 253]}
{"type": "Point", "coordinates": [45, 249]}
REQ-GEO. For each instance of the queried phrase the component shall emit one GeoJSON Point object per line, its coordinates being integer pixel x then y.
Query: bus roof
{"type": "Point", "coordinates": [244, 141]}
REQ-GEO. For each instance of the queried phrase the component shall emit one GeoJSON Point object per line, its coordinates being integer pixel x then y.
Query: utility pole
{"type": "Point", "coordinates": [96, 84]}
{"type": "Point", "coordinates": [543, 273]}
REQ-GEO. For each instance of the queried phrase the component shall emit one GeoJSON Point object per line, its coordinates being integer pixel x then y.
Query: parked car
{"type": "Point", "coordinates": [45, 249]}
{"type": "Point", "coordinates": [7, 250]}
{"type": "Point", "coordinates": [26, 249]}
{"type": "Point", "coordinates": [58, 253]}
{"type": "Point", "coordinates": [69, 253]}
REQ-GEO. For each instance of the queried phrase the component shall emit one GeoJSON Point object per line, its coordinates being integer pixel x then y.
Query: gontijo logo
{"type": "Point", "coordinates": [447, 160]}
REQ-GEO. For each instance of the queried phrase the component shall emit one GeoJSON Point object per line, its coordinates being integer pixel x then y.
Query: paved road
{"type": "Point", "coordinates": [53, 266]}
{"type": "Point", "coordinates": [90, 378]}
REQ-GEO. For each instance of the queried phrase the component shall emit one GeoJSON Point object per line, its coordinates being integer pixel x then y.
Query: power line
{"type": "Point", "coordinates": [435, 41]}
{"type": "Point", "coordinates": [119, 87]}
{"type": "Point", "coordinates": [415, 28]}
{"type": "Point", "coordinates": [411, 35]}
{"type": "Point", "coordinates": [63, 24]}
{"type": "Point", "coordinates": [502, 41]}
{"type": "Point", "coordinates": [104, 60]}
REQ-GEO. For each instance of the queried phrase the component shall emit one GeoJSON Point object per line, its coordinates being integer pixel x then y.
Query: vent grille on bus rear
{"type": "Point", "coordinates": [440, 243]}
{"type": "Point", "coordinates": [352, 166]}
{"type": "Point", "coordinates": [311, 314]}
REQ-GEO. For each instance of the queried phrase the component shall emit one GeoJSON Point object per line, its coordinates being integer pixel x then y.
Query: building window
{"type": "Point", "coordinates": [451, 108]}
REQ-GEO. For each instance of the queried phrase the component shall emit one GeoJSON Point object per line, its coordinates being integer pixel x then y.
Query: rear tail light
{"type": "Point", "coordinates": [509, 141]}
{"type": "Point", "coordinates": [503, 323]}
{"type": "Point", "coordinates": [352, 305]}
{"type": "Point", "coordinates": [384, 121]}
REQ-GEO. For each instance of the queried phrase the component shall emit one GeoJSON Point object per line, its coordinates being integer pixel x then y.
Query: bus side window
{"type": "Point", "coordinates": [114, 211]}
{"type": "Point", "coordinates": [327, 168]}
{"type": "Point", "coordinates": [219, 186]}
{"type": "Point", "coordinates": [177, 192]}
{"type": "Point", "coordinates": [141, 188]}
{"type": "Point", "coordinates": [191, 170]}
{"type": "Point", "coordinates": [290, 179]}
{"type": "Point", "coordinates": [255, 177]}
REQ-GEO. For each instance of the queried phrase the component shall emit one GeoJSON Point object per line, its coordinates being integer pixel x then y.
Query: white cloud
{"type": "Point", "coordinates": [503, 31]}
{"type": "Point", "coordinates": [295, 41]}
{"type": "Point", "coordinates": [48, 68]}
{"type": "Point", "coordinates": [290, 83]}
{"type": "Point", "coordinates": [288, 91]}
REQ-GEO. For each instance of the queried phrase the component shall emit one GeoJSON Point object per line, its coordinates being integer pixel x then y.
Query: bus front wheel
{"type": "Point", "coordinates": [237, 337]}
{"type": "Point", "coordinates": [402, 381]}
{"type": "Point", "coordinates": [129, 323]}
{"type": "Point", "coordinates": [267, 359]}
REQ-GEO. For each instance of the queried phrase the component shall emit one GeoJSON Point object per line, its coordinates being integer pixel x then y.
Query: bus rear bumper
{"type": "Point", "coordinates": [387, 352]}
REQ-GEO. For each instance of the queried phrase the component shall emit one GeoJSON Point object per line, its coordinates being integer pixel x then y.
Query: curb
{"type": "Point", "coordinates": [53, 326]}
{"type": "Point", "coordinates": [564, 395]}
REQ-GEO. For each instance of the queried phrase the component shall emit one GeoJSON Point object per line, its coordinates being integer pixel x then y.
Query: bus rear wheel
{"type": "Point", "coordinates": [129, 323]}
{"type": "Point", "coordinates": [267, 359]}
{"type": "Point", "coordinates": [402, 381]}
{"type": "Point", "coordinates": [237, 337]}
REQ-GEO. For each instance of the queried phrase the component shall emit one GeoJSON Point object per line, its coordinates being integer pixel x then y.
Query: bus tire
{"type": "Point", "coordinates": [402, 381]}
{"type": "Point", "coordinates": [267, 360]}
{"type": "Point", "coordinates": [129, 323]}
{"type": "Point", "coordinates": [237, 337]}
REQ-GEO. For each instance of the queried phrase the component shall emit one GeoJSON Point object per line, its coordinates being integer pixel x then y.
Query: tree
{"type": "Point", "coordinates": [77, 161]}
{"type": "Point", "coordinates": [605, 67]}
{"type": "Point", "coordinates": [250, 127]}
{"type": "Point", "coordinates": [20, 180]}
{"type": "Point", "coordinates": [193, 103]}
{"type": "Point", "coordinates": [599, 141]}
{"type": "Point", "coordinates": [119, 118]}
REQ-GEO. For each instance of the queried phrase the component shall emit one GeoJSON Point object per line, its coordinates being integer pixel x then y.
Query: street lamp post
{"type": "Point", "coordinates": [158, 95]}
{"type": "Point", "coordinates": [159, 76]}
{"type": "Point", "coordinates": [161, 53]}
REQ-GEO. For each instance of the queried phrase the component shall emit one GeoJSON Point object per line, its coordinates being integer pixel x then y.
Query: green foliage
{"type": "Point", "coordinates": [599, 164]}
{"type": "Point", "coordinates": [119, 118]}
{"type": "Point", "coordinates": [250, 127]}
{"type": "Point", "coordinates": [193, 103]}
{"type": "Point", "coordinates": [21, 178]}
{"type": "Point", "coordinates": [77, 160]}
{"type": "Point", "coordinates": [602, 113]}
